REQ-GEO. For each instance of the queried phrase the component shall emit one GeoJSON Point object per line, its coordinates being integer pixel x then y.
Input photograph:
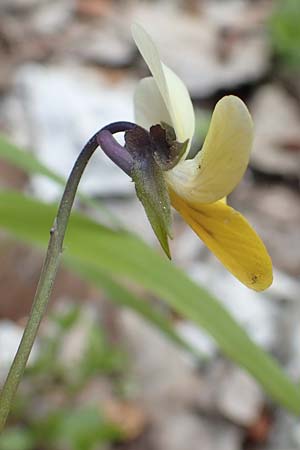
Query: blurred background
{"type": "Point", "coordinates": [99, 376]}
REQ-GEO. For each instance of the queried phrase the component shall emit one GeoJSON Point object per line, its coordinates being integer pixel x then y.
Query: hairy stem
{"type": "Point", "coordinates": [52, 260]}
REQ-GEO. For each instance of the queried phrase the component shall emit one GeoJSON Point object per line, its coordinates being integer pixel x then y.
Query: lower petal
{"type": "Point", "coordinates": [231, 238]}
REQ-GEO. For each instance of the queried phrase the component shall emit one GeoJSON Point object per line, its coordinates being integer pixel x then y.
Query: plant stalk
{"type": "Point", "coordinates": [52, 260]}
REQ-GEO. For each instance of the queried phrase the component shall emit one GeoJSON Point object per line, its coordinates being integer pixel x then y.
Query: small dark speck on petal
{"type": "Point", "coordinates": [254, 279]}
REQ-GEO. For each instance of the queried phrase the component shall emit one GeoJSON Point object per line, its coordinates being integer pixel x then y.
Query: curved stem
{"type": "Point", "coordinates": [50, 266]}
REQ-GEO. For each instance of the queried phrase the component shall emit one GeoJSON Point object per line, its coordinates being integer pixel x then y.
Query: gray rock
{"type": "Point", "coordinates": [52, 17]}
{"type": "Point", "coordinates": [227, 391]}
{"type": "Point", "coordinates": [168, 388]}
{"type": "Point", "coordinates": [163, 372]}
{"type": "Point", "coordinates": [274, 140]}
{"type": "Point", "coordinates": [239, 398]}
{"type": "Point", "coordinates": [285, 432]}
{"type": "Point", "coordinates": [63, 108]}
{"type": "Point", "coordinates": [187, 247]}
{"type": "Point", "coordinates": [131, 213]}
{"type": "Point", "coordinates": [275, 213]}
{"type": "Point", "coordinates": [249, 308]}
{"type": "Point", "coordinates": [288, 338]}
{"type": "Point", "coordinates": [217, 49]}
{"type": "Point", "coordinates": [108, 45]}
{"type": "Point", "coordinates": [284, 287]}
{"type": "Point", "coordinates": [198, 339]}
{"type": "Point", "coordinates": [294, 360]}
{"type": "Point", "coordinates": [182, 430]}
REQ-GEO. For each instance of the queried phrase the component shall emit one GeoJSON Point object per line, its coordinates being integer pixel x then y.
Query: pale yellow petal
{"type": "Point", "coordinates": [181, 106]}
{"type": "Point", "coordinates": [151, 56]}
{"type": "Point", "coordinates": [222, 162]}
{"type": "Point", "coordinates": [231, 238]}
{"type": "Point", "coordinates": [149, 107]}
{"type": "Point", "coordinates": [171, 88]}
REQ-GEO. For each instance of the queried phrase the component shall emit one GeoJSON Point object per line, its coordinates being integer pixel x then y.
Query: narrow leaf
{"type": "Point", "coordinates": [124, 255]}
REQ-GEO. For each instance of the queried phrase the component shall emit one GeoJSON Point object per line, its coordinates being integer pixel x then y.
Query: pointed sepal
{"type": "Point", "coordinates": [150, 184]}
{"type": "Point", "coordinates": [152, 191]}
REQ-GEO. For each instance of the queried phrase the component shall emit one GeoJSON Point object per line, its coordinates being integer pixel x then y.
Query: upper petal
{"type": "Point", "coordinates": [172, 90]}
{"type": "Point", "coordinates": [149, 107]}
{"type": "Point", "coordinates": [231, 238]}
{"type": "Point", "coordinates": [222, 162]}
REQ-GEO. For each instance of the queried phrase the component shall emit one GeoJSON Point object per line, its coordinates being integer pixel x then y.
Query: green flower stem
{"type": "Point", "coordinates": [49, 270]}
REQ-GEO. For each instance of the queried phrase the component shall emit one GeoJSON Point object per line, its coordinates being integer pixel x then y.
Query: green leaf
{"type": "Point", "coordinates": [83, 428]}
{"type": "Point", "coordinates": [31, 165]}
{"type": "Point", "coordinates": [26, 161]}
{"type": "Point", "coordinates": [17, 438]}
{"type": "Point", "coordinates": [284, 33]}
{"type": "Point", "coordinates": [120, 254]}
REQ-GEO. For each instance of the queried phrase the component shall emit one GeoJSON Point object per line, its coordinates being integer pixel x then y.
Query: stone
{"type": "Point", "coordinates": [107, 46]}
{"type": "Point", "coordinates": [284, 287]}
{"type": "Point", "coordinates": [198, 339]}
{"type": "Point", "coordinates": [130, 212]}
{"type": "Point", "coordinates": [276, 148]}
{"type": "Point", "coordinates": [248, 307]}
{"type": "Point", "coordinates": [274, 210]}
{"type": "Point", "coordinates": [63, 108]}
{"type": "Point", "coordinates": [239, 398]}
{"type": "Point", "coordinates": [187, 246]}
{"type": "Point", "coordinates": [52, 17]}
{"type": "Point", "coordinates": [164, 373]}
{"type": "Point", "coordinates": [285, 432]}
{"type": "Point", "coordinates": [210, 51]}
{"type": "Point", "coordinates": [170, 391]}
{"type": "Point", "coordinates": [182, 430]}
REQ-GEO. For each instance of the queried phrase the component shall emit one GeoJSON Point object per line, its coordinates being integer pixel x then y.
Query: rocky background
{"type": "Point", "coordinates": [100, 377]}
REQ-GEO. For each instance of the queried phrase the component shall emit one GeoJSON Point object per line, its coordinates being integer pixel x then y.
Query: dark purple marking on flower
{"type": "Point", "coordinates": [138, 142]}
{"type": "Point", "coordinates": [160, 143]}
{"type": "Point", "coordinates": [167, 151]}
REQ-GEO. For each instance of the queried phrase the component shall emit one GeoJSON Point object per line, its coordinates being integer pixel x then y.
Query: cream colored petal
{"type": "Point", "coordinates": [149, 107]}
{"type": "Point", "coordinates": [151, 56]}
{"type": "Point", "coordinates": [171, 88]}
{"type": "Point", "coordinates": [231, 238]}
{"type": "Point", "coordinates": [222, 162]}
{"type": "Point", "coordinates": [181, 106]}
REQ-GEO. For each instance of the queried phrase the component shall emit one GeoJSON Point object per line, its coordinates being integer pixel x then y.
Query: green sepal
{"type": "Point", "coordinates": [149, 179]}
{"type": "Point", "coordinates": [153, 193]}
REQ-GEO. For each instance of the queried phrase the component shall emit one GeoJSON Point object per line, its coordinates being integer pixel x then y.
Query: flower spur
{"type": "Point", "coordinates": [196, 188]}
